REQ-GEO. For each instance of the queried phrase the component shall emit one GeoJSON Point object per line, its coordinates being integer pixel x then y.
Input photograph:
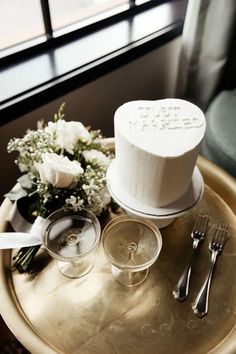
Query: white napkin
{"type": "Point", "coordinates": [32, 235]}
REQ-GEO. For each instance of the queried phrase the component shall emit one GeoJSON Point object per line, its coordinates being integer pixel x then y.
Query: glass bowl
{"type": "Point", "coordinates": [71, 235]}
{"type": "Point", "coordinates": [131, 246]}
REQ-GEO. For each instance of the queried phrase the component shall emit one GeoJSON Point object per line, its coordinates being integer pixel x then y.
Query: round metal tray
{"type": "Point", "coordinates": [50, 313]}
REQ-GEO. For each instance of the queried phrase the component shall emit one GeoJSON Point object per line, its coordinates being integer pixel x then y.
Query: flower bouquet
{"type": "Point", "coordinates": [63, 164]}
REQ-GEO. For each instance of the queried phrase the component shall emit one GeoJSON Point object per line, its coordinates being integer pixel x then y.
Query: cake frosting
{"type": "Point", "coordinates": [157, 144]}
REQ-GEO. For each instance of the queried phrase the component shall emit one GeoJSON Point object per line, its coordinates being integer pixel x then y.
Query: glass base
{"type": "Point", "coordinates": [76, 269]}
{"type": "Point", "coordinates": [129, 278]}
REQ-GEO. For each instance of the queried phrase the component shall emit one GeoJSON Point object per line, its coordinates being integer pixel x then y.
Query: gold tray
{"type": "Point", "coordinates": [50, 313]}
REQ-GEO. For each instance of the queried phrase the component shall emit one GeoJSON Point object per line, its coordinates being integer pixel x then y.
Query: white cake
{"type": "Point", "coordinates": [157, 144]}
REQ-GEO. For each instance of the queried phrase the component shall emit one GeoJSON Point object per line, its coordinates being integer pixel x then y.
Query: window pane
{"type": "Point", "coordinates": [20, 20]}
{"type": "Point", "coordinates": [139, 2]}
{"type": "Point", "coordinates": [66, 12]}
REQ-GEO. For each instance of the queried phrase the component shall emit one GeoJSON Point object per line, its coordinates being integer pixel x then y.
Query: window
{"type": "Point", "coordinates": [17, 26]}
{"type": "Point", "coordinates": [64, 13]}
{"type": "Point", "coordinates": [56, 55]}
{"type": "Point", "coordinates": [27, 23]}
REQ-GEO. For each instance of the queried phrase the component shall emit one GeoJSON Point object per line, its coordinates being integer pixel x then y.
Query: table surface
{"type": "Point", "coordinates": [50, 313]}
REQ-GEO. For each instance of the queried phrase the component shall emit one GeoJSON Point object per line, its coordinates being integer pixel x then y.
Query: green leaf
{"type": "Point", "coordinates": [16, 194]}
{"type": "Point", "coordinates": [25, 181]}
{"type": "Point", "coordinates": [114, 206]}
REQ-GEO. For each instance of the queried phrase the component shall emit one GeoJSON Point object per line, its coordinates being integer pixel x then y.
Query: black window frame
{"type": "Point", "coordinates": [48, 41]}
{"type": "Point", "coordinates": [33, 97]}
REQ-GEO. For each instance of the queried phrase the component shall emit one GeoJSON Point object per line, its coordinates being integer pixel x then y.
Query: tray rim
{"type": "Point", "coordinates": [218, 180]}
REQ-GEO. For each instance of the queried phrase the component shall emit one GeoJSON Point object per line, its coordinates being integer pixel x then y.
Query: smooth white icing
{"type": "Point", "coordinates": [157, 144]}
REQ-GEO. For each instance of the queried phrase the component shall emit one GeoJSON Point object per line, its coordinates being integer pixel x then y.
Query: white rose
{"type": "Point", "coordinates": [95, 156]}
{"type": "Point", "coordinates": [67, 134]}
{"type": "Point", "coordinates": [59, 170]}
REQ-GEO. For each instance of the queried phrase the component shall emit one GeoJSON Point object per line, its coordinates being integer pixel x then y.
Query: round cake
{"type": "Point", "coordinates": [157, 144]}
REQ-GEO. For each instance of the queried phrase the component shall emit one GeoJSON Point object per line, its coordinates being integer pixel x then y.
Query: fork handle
{"type": "Point", "coordinates": [181, 290]}
{"type": "Point", "coordinates": [200, 305]}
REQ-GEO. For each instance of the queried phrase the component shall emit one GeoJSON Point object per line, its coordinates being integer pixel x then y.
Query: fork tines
{"type": "Point", "coordinates": [220, 235]}
{"type": "Point", "coordinates": [201, 222]}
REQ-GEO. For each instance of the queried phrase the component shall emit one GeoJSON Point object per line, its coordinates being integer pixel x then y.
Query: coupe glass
{"type": "Point", "coordinates": [131, 245]}
{"type": "Point", "coordinates": [71, 235]}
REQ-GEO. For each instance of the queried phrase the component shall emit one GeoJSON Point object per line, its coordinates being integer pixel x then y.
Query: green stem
{"type": "Point", "coordinates": [24, 258]}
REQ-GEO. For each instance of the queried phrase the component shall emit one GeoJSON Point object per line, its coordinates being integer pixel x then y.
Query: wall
{"type": "Point", "coordinates": [151, 76]}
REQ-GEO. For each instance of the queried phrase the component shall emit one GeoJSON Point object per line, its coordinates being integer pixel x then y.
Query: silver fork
{"type": "Point", "coordinates": [200, 305]}
{"type": "Point", "coordinates": [198, 234]}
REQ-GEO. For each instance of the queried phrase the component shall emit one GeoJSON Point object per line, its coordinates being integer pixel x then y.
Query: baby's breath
{"type": "Point", "coordinates": [30, 148]}
{"type": "Point", "coordinates": [87, 185]}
